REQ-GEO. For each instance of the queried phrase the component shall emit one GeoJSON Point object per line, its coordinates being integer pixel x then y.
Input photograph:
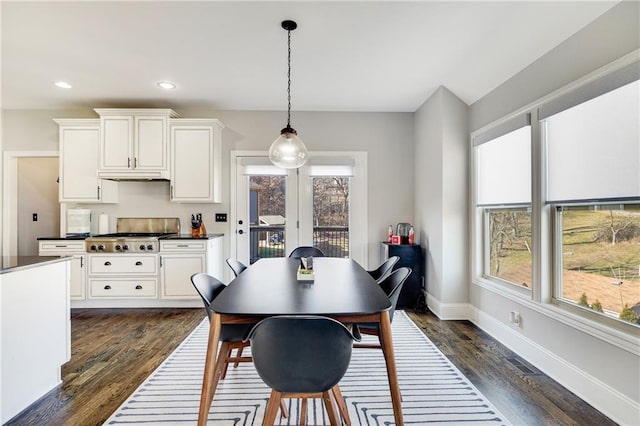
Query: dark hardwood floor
{"type": "Point", "coordinates": [114, 350]}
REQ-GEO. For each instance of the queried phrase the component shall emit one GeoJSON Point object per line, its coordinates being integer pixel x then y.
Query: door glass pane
{"type": "Point", "coordinates": [601, 259]}
{"type": "Point", "coordinates": [331, 215]}
{"type": "Point", "coordinates": [267, 216]}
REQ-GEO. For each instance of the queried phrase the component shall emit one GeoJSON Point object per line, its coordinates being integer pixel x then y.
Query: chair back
{"type": "Point", "coordinates": [381, 272]}
{"type": "Point", "coordinates": [392, 286]}
{"type": "Point", "coordinates": [306, 251]}
{"type": "Point", "coordinates": [207, 287]}
{"type": "Point", "coordinates": [301, 354]}
{"type": "Point", "coordinates": [236, 266]}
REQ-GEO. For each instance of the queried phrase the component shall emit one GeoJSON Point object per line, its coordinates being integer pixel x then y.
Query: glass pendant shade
{"type": "Point", "coordinates": [288, 151]}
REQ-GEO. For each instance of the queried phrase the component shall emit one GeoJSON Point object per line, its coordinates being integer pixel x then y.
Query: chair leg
{"type": "Point", "coordinates": [331, 407]}
{"type": "Point", "coordinates": [220, 366]}
{"type": "Point", "coordinates": [283, 409]}
{"type": "Point", "coordinates": [235, 365]}
{"type": "Point", "coordinates": [303, 412]}
{"type": "Point", "coordinates": [272, 408]}
{"type": "Point", "coordinates": [225, 355]}
{"type": "Point", "coordinates": [342, 406]}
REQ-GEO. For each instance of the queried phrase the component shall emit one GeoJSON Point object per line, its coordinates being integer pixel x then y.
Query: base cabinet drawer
{"type": "Point", "coordinates": [59, 247]}
{"type": "Point", "coordinates": [123, 264]}
{"type": "Point", "coordinates": [122, 288]}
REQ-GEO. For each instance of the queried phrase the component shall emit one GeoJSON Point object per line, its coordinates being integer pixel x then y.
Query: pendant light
{"type": "Point", "coordinates": [288, 151]}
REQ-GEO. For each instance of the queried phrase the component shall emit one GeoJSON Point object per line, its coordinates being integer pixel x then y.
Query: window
{"type": "Point", "coordinates": [599, 255]}
{"type": "Point", "coordinates": [593, 163]}
{"type": "Point", "coordinates": [503, 165]}
{"type": "Point", "coordinates": [556, 200]}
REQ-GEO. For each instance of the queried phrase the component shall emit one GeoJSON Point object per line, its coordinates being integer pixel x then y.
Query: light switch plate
{"type": "Point", "coordinates": [221, 217]}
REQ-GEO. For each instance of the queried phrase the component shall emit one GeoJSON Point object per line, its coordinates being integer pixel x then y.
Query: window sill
{"type": "Point", "coordinates": [627, 340]}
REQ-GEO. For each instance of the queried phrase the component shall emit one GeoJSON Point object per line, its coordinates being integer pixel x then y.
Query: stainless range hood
{"type": "Point", "coordinates": [134, 178]}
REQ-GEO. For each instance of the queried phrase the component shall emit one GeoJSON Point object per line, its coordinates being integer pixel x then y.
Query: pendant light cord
{"type": "Point", "coordinates": [289, 79]}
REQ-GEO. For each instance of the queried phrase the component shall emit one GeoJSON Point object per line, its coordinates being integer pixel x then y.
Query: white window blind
{"type": "Point", "coordinates": [593, 148]}
{"type": "Point", "coordinates": [260, 166]}
{"type": "Point", "coordinates": [331, 166]}
{"type": "Point", "coordinates": [503, 166]}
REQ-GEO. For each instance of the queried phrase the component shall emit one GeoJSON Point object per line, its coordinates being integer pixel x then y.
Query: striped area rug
{"type": "Point", "coordinates": [434, 391]}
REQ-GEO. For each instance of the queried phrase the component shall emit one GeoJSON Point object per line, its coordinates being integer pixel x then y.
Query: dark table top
{"type": "Point", "coordinates": [270, 287]}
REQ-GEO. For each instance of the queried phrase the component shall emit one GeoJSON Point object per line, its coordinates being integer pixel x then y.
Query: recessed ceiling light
{"type": "Point", "coordinates": [62, 84]}
{"type": "Point", "coordinates": [167, 85]}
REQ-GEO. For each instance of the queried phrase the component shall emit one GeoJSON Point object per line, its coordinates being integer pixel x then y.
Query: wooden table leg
{"type": "Point", "coordinates": [389, 357]}
{"type": "Point", "coordinates": [209, 370]}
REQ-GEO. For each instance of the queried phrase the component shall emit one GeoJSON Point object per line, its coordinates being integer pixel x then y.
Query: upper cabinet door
{"type": "Point", "coordinates": [116, 143]}
{"type": "Point", "coordinates": [196, 149]}
{"type": "Point", "coordinates": [78, 165]}
{"type": "Point", "coordinates": [134, 143]}
{"type": "Point", "coordinates": [150, 148]}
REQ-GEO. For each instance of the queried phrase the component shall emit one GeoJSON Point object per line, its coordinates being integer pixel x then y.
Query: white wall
{"type": "Point", "coordinates": [37, 193]}
{"type": "Point", "coordinates": [441, 145]}
{"type": "Point", "coordinates": [387, 137]}
{"type": "Point", "coordinates": [603, 374]}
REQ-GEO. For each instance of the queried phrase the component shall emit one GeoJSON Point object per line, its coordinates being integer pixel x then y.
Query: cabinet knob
{"type": "Point", "coordinates": [107, 287]}
{"type": "Point", "coordinates": [138, 263]}
{"type": "Point", "coordinates": [138, 287]}
{"type": "Point", "coordinates": [107, 263]}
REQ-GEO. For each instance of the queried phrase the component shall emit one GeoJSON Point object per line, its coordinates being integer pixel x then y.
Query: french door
{"type": "Point", "coordinates": [276, 210]}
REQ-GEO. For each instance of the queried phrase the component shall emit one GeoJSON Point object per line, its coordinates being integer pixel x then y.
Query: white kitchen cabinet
{"type": "Point", "coordinates": [175, 274]}
{"type": "Point", "coordinates": [133, 143]}
{"type": "Point", "coordinates": [78, 272]}
{"type": "Point", "coordinates": [122, 288]}
{"type": "Point", "coordinates": [122, 276]}
{"type": "Point", "coordinates": [179, 259]}
{"type": "Point", "coordinates": [35, 333]}
{"type": "Point", "coordinates": [195, 153]}
{"type": "Point", "coordinates": [78, 165]}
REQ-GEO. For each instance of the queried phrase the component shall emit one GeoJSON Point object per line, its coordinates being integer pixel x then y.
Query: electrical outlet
{"type": "Point", "coordinates": [221, 217]}
{"type": "Point", "coordinates": [35, 217]}
{"type": "Point", "coordinates": [514, 317]}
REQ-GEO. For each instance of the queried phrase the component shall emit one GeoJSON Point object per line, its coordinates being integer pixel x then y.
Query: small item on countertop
{"type": "Point", "coordinates": [389, 234]}
{"type": "Point", "coordinates": [195, 225]}
{"type": "Point", "coordinates": [395, 239]}
{"type": "Point", "coordinates": [412, 235]}
{"type": "Point", "coordinates": [305, 270]}
{"type": "Point", "coordinates": [202, 230]}
{"type": "Point", "coordinates": [103, 224]}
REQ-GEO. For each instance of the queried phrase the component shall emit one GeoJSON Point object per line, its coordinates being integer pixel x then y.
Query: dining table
{"type": "Point", "coordinates": [341, 289]}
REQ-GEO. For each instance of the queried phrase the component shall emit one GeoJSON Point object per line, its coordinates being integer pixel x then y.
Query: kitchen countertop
{"type": "Point", "coordinates": [189, 237]}
{"type": "Point", "coordinates": [17, 263]}
{"type": "Point", "coordinates": [70, 237]}
{"type": "Point", "coordinates": [171, 237]}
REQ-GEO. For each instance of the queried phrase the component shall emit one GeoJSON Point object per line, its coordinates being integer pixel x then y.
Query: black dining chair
{"type": "Point", "coordinates": [232, 336]}
{"type": "Point", "coordinates": [392, 286]}
{"type": "Point", "coordinates": [236, 266]}
{"type": "Point", "coordinates": [306, 251]}
{"type": "Point", "coordinates": [381, 272]}
{"type": "Point", "coordinates": [303, 357]}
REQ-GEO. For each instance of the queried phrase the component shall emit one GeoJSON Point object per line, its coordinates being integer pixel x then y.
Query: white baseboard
{"type": "Point", "coordinates": [136, 303]}
{"type": "Point", "coordinates": [603, 397]}
{"type": "Point", "coordinates": [448, 311]}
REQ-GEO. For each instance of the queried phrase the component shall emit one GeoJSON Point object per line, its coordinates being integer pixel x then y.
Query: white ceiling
{"type": "Point", "coordinates": [346, 56]}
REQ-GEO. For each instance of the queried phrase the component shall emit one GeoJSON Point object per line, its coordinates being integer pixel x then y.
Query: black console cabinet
{"type": "Point", "coordinates": [411, 256]}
